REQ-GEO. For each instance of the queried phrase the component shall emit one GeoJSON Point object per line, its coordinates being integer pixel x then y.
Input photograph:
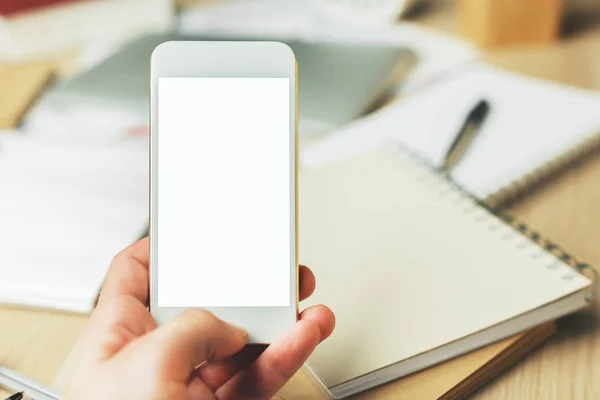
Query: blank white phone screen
{"type": "Point", "coordinates": [223, 192]}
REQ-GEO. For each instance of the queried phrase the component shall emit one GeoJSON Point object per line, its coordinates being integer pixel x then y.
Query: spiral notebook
{"type": "Point", "coordinates": [455, 379]}
{"type": "Point", "coordinates": [417, 271]}
{"type": "Point", "coordinates": [533, 129]}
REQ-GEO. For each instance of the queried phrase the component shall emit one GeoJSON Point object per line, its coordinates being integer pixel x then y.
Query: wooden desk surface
{"type": "Point", "coordinates": [567, 210]}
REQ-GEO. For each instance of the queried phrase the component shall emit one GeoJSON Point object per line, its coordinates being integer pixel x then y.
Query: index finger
{"type": "Point", "coordinates": [128, 273]}
{"type": "Point", "coordinates": [280, 361]}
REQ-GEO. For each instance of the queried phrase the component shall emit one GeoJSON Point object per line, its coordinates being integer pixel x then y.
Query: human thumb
{"type": "Point", "coordinates": [192, 338]}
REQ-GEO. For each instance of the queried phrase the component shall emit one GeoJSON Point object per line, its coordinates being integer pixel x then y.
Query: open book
{"type": "Point", "coordinates": [417, 271]}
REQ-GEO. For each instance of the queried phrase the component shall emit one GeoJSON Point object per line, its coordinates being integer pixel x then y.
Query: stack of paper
{"type": "Point", "coordinates": [66, 210]}
{"type": "Point", "coordinates": [50, 31]}
{"type": "Point", "coordinates": [82, 123]}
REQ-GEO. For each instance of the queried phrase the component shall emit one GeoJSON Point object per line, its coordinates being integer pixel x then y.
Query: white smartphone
{"type": "Point", "coordinates": [223, 223]}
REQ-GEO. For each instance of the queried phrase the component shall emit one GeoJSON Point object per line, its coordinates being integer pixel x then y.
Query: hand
{"type": "Point", "coordinates": [122, 354]}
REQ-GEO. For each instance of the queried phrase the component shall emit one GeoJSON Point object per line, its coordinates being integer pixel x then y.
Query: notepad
{"type": "Point", "coordinates": [534, 127]}
{"type": "Point", "coordinates": [66, 210]}
{"type": "Point", "coordinates": [417, 271]}
{"type": "Point", "coordinates": [455, 379]}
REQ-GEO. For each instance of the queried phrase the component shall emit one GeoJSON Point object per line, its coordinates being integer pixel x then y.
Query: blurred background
{"type": "Point", "coordinates": [74, 112]}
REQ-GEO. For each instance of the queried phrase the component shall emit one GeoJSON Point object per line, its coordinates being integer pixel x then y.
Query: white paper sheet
{"type": "Point", "coordinates": [78, 24]}
{"type": "Point", "coordinates": [66, 210]}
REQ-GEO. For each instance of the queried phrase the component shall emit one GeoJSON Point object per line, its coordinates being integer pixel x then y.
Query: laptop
{"type": "Point", "coordinates": [336, 82]}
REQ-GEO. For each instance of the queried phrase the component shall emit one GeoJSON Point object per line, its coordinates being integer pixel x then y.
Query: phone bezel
{"type": "Point", "coordinates": [228, 59]}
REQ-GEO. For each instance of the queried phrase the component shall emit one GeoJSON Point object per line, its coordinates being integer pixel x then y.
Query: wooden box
{"type": "Point", "coordinates": [495, 23]}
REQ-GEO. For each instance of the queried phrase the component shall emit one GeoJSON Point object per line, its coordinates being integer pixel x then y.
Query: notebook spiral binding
{"type": "Point", "coordinates": [578, 152]}
{"type": "Point", "coordinates": [450, 187]}
{"type": "Point", "coordinates": [555, 250]}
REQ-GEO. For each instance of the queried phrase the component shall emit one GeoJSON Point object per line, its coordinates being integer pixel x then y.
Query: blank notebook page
{"type": "Point", "coordinates": [408, 263]}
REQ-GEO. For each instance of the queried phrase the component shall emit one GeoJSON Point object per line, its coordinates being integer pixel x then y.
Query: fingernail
{"type": "Point", "coordinates": [238, 330]}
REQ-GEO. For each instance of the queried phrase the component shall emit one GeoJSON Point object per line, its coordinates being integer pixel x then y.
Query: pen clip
{"type": "Point", "coordinates": [466, 134]}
